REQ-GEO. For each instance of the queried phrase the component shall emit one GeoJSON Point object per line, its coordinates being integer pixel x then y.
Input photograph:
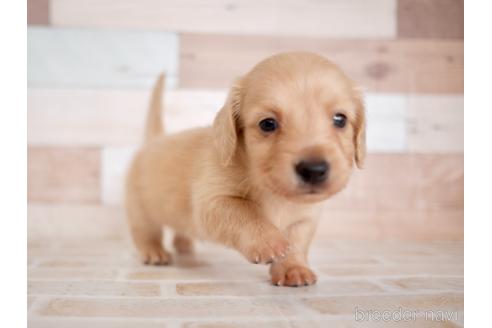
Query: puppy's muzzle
{"type": "Point", "coordinates": [313, 172]}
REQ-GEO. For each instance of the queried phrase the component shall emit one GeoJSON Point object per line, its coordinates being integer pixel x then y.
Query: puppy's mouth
{"type": "Point", "coordinates": [302, 193]}
{"type": "Point", "coordinates": [314, 191]}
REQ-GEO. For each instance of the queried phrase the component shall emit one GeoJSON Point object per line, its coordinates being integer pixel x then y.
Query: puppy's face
{"type": "Point", "coordinates": [300, 122]}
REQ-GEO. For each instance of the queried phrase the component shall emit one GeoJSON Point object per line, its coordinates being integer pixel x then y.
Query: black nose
{"type": "Point", "coordinates": [313, 172]}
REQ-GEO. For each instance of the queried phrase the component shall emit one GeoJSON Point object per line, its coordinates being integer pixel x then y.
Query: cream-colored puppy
{"type": "Point", "coordinates": [285, 140]}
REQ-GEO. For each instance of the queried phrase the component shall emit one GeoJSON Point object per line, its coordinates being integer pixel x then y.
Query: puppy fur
{"type": "Point", "coordinates": [236, 185]}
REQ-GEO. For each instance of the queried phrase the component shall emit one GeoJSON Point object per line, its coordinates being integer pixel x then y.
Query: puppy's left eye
{"type": "Point", "coordinates": [268, 125]}
{"type": "Point", "coordinates": [339, 120]}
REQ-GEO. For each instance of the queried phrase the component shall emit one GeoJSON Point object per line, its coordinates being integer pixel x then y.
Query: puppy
{"type": "Point", "coordinates": [286, 139]}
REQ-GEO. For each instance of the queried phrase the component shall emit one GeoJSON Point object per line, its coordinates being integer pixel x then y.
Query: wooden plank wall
{"type": "Point", "coordinates": [91, 63]}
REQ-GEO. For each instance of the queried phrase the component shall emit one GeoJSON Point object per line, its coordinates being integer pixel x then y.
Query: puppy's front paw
{"type": "Point", "coordinates": [293, 275]}
{"type": "Point", "coordinates": [266, 249]}
{"type": "Point", "coordinates": [155, 255]}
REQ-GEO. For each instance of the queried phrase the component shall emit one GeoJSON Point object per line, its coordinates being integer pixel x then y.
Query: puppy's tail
{"type": "Point", "coordinates": [153, 127]}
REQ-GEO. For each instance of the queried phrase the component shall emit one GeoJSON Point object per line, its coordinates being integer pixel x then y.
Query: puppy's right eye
{"type": "Point", "coordinates": [339, 120]}
{"type": "Point", "coordinates": [268, 125]}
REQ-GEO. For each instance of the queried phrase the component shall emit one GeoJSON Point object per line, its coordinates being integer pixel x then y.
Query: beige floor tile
{"type": "Point", "coordinates": [78, 247]}
{"type": "Point", "coordinates": [84, 262]}
{"type": "Point", "coordinates": [323, 323]}
{"type": "Point", "coordinates": [57, 274]}
{"type": "Point", "coordinates": [245, 324]}
{"type": "Point", "coordinates": [346, 305]}
{"type": "Point", "coordinates": [166, 308]}
{"type": "Point", "coordinates": [243, 272]}
{"type": "Point", "coordinates": [93, 288]}
{"type": "Point", "coordinates": [93, 323]}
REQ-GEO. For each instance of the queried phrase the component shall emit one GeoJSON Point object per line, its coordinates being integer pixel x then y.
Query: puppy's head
{"type": "Point", "coordinates": [298, 123]}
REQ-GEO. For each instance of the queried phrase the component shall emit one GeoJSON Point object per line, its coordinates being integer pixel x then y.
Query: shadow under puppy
{"type": "Point", "coordinates": [285, 140]}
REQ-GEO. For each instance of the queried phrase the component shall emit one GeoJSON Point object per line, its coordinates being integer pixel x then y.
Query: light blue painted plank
{"type": "Point", "coordinates": [100, 58]}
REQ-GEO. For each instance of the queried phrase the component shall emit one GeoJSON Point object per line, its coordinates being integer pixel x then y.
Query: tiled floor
{"type": "Point", "coordinates": [101, 284]}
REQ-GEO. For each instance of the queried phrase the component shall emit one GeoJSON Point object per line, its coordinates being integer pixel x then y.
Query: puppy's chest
{"type": "Point", "coordinates": [284, 214]}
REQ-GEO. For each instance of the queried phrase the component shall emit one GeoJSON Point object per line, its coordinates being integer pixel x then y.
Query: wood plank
{"type": "Point", "coordinates": [38, 12]}
{"type": "Point", "coordinates": [420, 66]}
{"type": "Point", "coordinates": [440, 19]}
{"type": "Point", "coordinates": [338, 18]}
{"type": "Point", "coordinates": [116, 117]}
{"type": "Point", "coordinates": [435, 123]}
{"type": "Point", "coordinates": [99, 58]}
{"type": "Point", "coordinates": [405, 182]}
{"type": "Point", "coordinates": [63, 174]}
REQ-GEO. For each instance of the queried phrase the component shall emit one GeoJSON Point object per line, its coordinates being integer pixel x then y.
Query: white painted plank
{"type": "Point", "coordinates": [335, 18]}
{"type": "Point", "coordinates": [99, 58]}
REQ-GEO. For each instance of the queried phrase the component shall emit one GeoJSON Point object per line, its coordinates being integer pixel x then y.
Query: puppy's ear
{"type": "Point", "coordinates": [360, 132]}
{"type": "Point", "coordinates": [225, 127]}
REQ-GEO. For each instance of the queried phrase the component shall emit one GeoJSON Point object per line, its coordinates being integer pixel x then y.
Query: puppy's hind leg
{"type": "Point", "coordinates": [183, 244]}
{"type": "Point", "coordinates": [147, 236]}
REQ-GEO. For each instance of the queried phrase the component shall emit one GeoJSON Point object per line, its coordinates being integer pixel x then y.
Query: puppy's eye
{"type": "Point", "coordinates": [268, 125]}
{"type": "Point", "coordinates": [339, 120]}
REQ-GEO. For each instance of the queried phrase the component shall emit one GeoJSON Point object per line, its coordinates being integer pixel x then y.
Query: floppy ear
{"type": "Point", "coordinates": [225, 127]}
{"type": "Point", "coordinates": [360, 132]}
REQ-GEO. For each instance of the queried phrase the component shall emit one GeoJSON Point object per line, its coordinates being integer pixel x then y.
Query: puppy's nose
{"type": "Point", "coordinates": [313, 172]}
